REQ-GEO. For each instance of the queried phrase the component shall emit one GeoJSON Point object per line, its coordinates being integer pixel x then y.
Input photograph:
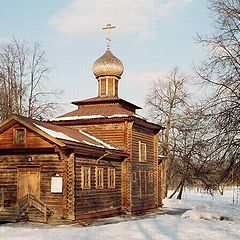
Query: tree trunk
{"type": "Point", "coordinates": [179, 185]}
{"type": "Point", "coordinates": [179, 196]}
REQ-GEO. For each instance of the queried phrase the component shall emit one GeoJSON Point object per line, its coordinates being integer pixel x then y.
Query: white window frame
{"type": "Point", "coordinates": [99, 171]}
{"type": "Point", "coordinates": [86, 184]}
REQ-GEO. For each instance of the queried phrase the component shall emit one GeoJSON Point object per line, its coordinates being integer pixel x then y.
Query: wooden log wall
{"type": "Point", "coordinates": [102, 201]}
{"type": "Point", "coordinates": [49, 164]}
{"type": "Point", "coordinates": [125, 136]}
{"type": "Point", "coordinates": [120, 135]}
{"type": "Point", "coordinates": [143, 182]}
{"type": "Point", "coordinates": [157, 176]}
{"type": "Point", "coordinates": [33, 157]}
{"type": "Point", "coordinates": [127, 169]}
{"type": "Point", "coordinates": [70, 187]}
{"type": "Point", "coordinates": [113, 133]}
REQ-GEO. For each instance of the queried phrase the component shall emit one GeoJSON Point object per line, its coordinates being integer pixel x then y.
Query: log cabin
{"type": "Point", "coordinates": [50, 173]}
{"type": "Point", "coordinates": [98, 160]}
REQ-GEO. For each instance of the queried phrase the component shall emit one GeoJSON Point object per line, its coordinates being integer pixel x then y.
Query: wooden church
{"type": "Point", "coordinates": [98, 160]}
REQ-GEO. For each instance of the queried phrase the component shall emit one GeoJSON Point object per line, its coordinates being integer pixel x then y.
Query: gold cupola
{"type": "Point", "coordinates": [108, 65]}
{"type": "Point", "coordinates": [108, 69]}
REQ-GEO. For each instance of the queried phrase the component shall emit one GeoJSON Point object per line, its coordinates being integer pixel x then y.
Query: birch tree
{"type": "Point", "coordinates": [167, 99]}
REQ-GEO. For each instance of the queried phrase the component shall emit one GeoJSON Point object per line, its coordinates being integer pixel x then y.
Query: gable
{"type": "Point", "coordinates": [33, 139]}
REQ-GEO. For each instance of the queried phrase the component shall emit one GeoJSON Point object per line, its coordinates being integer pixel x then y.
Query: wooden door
{"type": "Point", "coordinates": [28, 181]}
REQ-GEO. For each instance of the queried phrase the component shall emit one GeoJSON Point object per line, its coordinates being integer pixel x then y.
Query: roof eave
{"type": "Point", "coordinates": [83, 149]}
{"type": "Point", "coordinates": [108, 120]}
{"type": "Point", "coordinates": [104, 100]}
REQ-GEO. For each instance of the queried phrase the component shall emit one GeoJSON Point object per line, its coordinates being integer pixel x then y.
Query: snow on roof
{"type": "Point", "coordinates": [139, 116]}
{"type": "Point", "coordinates": [118, 115]}
{"type": "Point", "coordinates": [94, 116]}
{"type": "Point", "coordinates": [88, 117]}
{"type": "Point", "coordinates": [92, 144]}
{"type": "Point", "coordinates": [55, 134]}
{"type": "Point", "coordinates": [72, 118]}
{"type": "Point", "coordinates": [76, 118]}
{"type": "Point", "coordinates": [143, 118]}
{"type": "Point", "coordinates": [97, 140]}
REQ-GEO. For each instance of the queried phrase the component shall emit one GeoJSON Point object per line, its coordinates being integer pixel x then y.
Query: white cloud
{"type": "Point", "coordinates": [134, 86]}
{"type": "Point", "coordinates": [83, 17]}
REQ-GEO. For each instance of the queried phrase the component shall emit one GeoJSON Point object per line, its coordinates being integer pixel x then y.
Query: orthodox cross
{"type": "Point", "coordinates": [108, 28]}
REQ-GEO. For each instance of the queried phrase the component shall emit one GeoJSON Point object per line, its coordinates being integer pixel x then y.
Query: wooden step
{"type": "Point", "coordinates": [8, 215]}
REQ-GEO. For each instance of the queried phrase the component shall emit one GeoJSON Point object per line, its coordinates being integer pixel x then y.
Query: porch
{"type": "Point", "coordinates": [28, 208]}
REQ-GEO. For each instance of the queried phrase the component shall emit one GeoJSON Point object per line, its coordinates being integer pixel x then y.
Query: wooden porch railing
{"type": "Point", "coordinates": [1, 198]}
{"type": "Point", "coordinates": [29, 201]}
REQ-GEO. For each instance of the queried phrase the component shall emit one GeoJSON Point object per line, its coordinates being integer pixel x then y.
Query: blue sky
{"type": "Point", "coordinates": [151, 38]}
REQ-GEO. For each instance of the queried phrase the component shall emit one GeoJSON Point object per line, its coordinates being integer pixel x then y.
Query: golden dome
{"type": "Point", "coordinates": [108, 65]}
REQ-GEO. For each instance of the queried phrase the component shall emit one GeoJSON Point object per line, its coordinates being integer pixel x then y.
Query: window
{"type": "Point", "coordinates": [86, 177]}
{"type": "Point", "coordinates": [150, 176]}
{"type": "Point", "coordinates": [134, 176]}
{"type": "Point", "coordinates": [111, 178]}
{"type": "Point", "coordinates": [20, 136]}
{"type": "Point", "coordinates": [103, 87]}
{"type": "Point", "coordinates": [142, 152]}
{"type": "Point", "coordinates": [99, 177]}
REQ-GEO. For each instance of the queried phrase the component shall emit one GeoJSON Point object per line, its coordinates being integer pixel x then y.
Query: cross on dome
{"type": "Point", "coordinates": [108, 28]}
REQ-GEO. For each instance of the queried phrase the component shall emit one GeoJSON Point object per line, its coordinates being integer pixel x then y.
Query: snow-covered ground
{"type": "Point", "coordinates": [209, 217]}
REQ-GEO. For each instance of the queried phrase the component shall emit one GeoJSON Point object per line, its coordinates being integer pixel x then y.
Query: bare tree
{"type": "Point", "coordinates": [167, 100]}
{"type": "Point", "coordinates": [23, 70]}
{"type": "Point", "coordinates": [221, 71]}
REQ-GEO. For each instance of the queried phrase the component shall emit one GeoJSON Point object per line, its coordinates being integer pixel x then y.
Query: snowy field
{"type": "Point", "coordinates": [209, 217]}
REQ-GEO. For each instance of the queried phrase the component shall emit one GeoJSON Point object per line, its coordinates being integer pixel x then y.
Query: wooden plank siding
{"type": "Point", "coordinates": [91, 201]}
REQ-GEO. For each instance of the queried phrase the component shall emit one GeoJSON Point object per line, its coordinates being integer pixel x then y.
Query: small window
{"type": "Point", "coordinates": [111, 178]}
{"type": "Point", "coordinates": [134, 176]}
{"type": "Point", "coordinates": [86, 177]}
{"type": "Point", "coordinates": [99, 177]}
{"type": "Point", "coordinates": [20, 136]}
{"type": "Point", "coordinates": [150, 176]}
{"type": "Point", "coordinates": [142, 152]}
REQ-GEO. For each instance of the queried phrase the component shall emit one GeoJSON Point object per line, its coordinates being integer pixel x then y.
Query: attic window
{"type": "Point", "coordinates": [19, 135]}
